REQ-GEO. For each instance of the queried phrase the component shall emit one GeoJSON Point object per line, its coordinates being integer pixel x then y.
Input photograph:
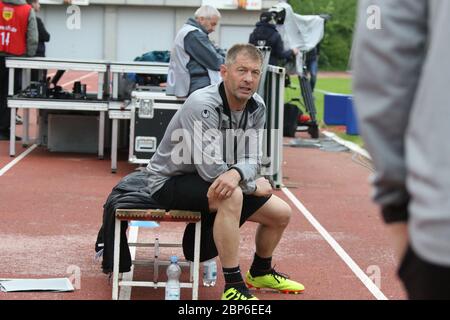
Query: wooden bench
{"type": "Point", "coordinates": [157, 215]}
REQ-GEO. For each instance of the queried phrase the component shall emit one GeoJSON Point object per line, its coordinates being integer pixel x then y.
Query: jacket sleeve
{"type": "Point", "coordinates": [32, 34]}
{"type": "Point", "coordinates": [199, 47]}
{"type": "Point", "coordinates": [387, 64]}
{"type": "Point", "coordinates": [278, 48]}
{"type": "Point", "coordinates": [249, 162]}
{"type": "Point", "coordinates": [44, 36]}
{"type": "Point", "coordinates": [201, 125]}
{"type": "Point", "coordinates": [252, 39]}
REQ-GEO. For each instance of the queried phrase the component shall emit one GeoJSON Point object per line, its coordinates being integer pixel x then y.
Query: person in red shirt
{"type": "Point", "coordinates": [18, 37]}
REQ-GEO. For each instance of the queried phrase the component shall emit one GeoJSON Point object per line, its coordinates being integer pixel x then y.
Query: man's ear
{"type": "Point", "coordinates": [223, 70]}
{"type": "Point", "coordinates": [201, 20]}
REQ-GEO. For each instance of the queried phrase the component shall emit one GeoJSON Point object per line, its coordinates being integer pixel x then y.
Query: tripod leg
{"type": "Point", "coordinates": [305, 88]}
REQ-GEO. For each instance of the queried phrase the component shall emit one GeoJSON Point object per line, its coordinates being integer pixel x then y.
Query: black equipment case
{"type": "Point", "coordinates": [151, 112]}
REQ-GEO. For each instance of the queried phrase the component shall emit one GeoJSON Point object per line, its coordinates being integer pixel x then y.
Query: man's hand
{"type": "Point", "coordinates": [295, 51]}
{"type": "Point", "coordinates": [223, 187]}
{"type": "Point", "coordinates": [263, 187]}
{"type": "Point", "coordinates": [399, 235]}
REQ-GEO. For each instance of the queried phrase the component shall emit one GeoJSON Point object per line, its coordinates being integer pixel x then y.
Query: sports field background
{"type": "Point", "coordinates": [325, 84]}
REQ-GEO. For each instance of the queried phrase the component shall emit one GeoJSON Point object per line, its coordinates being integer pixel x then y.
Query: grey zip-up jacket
{"type": "Point", "coordinates": [206, 146]}
{"type": "Point", "coordinates": [32, 31]}
{"type": "Point", "coordinates": [402, 95]}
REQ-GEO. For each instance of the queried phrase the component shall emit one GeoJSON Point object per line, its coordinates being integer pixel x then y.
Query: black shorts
{"type": "Point", "coordinates": [188, 192]}
{"type": "Point", "coordinates": [424, 280]}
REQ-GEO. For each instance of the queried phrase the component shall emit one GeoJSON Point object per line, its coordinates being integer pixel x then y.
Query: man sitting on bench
{"type": "Point", "coordinates": [190, 171]}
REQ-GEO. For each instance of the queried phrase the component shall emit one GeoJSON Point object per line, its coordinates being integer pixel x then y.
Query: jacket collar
{"type": "Point", "coordinates": [266, 24]}
{"type": "Point", "coordinates": [193, 22]}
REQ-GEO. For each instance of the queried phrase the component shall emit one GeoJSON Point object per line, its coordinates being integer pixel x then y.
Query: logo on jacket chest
{"type": "Point", "coordinates": [8, 13]}
{"type": "Point", "coordinates": [205, 114]}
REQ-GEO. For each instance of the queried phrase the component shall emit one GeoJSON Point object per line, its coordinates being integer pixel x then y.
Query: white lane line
{"type": "Point", "coordinates": [352, 146]}
{"type": "Point", "coordinates": [322, 91]}
{"type": "Point", "coordinates": [16, 160]}
{"type": "Point", "coordinates": [329, 92]}
{"type": "Point", "coordinates": [125, 292]}
{"type": "Point", "coordinates": [336, 247]}
{"type": "Point", "coordinates": [78, 79]}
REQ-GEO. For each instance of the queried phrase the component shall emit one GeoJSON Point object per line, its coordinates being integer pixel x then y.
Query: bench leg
{"type": "Point", "coordinates": [196, 260]}
{"type": "Point", "coordinates": [115, 284]}
{"type": "Point", "coordinates": [156, 261]}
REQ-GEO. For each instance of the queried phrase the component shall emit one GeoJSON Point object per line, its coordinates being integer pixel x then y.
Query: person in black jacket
{"type": "Point", "coordinates": [44, 36]}
{"type": "Point", "coordinates": [266, 34]}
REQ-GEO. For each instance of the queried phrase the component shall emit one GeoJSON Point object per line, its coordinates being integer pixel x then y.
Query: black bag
{"type": "Point", "coordinates": [291, 113]}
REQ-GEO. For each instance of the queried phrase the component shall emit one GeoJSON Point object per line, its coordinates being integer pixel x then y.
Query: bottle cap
{"type": "Point", "coordinates": [173, 259]}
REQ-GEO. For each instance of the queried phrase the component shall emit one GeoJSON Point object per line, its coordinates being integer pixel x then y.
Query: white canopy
{"type": "Point", "coordinates": [298, 31]}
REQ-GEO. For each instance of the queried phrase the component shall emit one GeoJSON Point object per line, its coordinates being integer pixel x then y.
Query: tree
{"type": "Point", "coordinates": [336, 45]}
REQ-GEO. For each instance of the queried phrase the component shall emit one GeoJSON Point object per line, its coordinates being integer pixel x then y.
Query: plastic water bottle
{"type": "Point", "coordinates": [173, 279]}
{"type": "Point", "coordinates": [209, 273]}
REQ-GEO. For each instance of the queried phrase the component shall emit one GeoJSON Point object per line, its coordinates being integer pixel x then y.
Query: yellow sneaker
{"type": "Point", "coordinates": [237, 294]}
{"type": "Point", "coordinates": [274, 280]}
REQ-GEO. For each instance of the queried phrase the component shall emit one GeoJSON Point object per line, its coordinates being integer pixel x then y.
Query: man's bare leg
{"type": "Point", "coordinates": [226, 228]}
{"type": "Point", "coordinates": [273, 218]}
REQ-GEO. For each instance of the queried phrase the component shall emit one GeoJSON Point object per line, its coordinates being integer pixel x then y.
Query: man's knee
{"type": "Point", "coordinates": [232, 202]}
{"type": "Point", "coordinates": [284, 214]}
{"type": "Point", "coordinates": [237, 196]}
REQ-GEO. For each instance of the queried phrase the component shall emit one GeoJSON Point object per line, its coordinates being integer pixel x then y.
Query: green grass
{"type": "Point", "coordinates": [336, 85]}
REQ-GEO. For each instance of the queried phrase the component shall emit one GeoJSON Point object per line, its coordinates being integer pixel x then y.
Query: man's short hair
{"type": "Point", "coordinates": [245, 48]}
{"type": "Point", "coordinates": [207, 12]}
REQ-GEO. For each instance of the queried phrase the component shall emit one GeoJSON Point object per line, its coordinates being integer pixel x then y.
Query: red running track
{"type": "Point", "coordinates": [51, 210]}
